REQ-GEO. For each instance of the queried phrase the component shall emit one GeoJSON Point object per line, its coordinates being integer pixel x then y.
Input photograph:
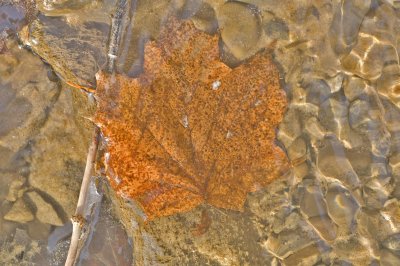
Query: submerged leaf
{"type": "Point", "coordinates": [189, 129]}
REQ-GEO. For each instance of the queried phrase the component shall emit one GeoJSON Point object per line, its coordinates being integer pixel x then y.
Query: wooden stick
{"type": "Point", "coordinates": [78, 220]}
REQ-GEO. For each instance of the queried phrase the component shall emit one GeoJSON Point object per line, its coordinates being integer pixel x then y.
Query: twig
{"type": "Point", "coordinates": [118, 22]}
{"type": "Point", "coordinates": [116, 33]}
{"type": "Point", "coordinates": [78, 221]}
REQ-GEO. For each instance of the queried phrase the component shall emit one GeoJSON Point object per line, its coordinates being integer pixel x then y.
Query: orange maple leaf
{"type": "Point", "coordinates": [189, 129]}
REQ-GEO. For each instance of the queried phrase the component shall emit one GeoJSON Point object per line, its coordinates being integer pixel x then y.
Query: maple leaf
{"type": "Point", "coordinates": [190, 130]}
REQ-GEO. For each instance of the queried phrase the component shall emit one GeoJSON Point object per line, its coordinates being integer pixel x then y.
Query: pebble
{"type": "Point", "coordinates": [391, 213]}
{"type": "Point", "coordinates": [312, 202]}
{"type": "Point", "coordinates": [276, 28]}
{"type": "Point", "coordinates": [15, 190]}
{"type": "Point", "coordinates": [389, 258]}
{"type": "Point", "coordinates": [63, 163]}
{"type": "Point", "coordinates": [324, 225]}
{"type": "Point", "coordinates": [342, 206]}
{"type": "Point", "coordinates": [298, 149]}
{"type": "Point", "coordinates": [38, 230]}
{"type": "Point", "coordinates": [375, 194]}
{"type": "Point", "coordinates": [44, 210]}
{"type": "Point", "coordinates": [346, 24]}
{"type": "Point", "coordinates": [295, 234]}
{"type": "Point", "coordinates": [241, 28]}
{"type": "Point", "coordinates": [205, 19]}
{"type": "Point", "coordinates": [356, 88]}
{"type": "Point", "coordinates": [19, 212]}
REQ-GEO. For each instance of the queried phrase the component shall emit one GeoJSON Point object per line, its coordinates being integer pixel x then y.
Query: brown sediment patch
{"type": "Point", "coordinates": [190, 130]}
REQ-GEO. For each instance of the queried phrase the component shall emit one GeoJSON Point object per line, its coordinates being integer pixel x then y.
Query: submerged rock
{"type": "Point", "coordinates": [15, 190]}
{"type": "Point", "coordinates": [23, 74]}
{"type": "Point", "coordinates": [19, 212]}
{"type": "Point", "coordinates": [11, 17]}
{"type": "Point", "coordinates": [241, 28]}
{"type": "Point", "coordinates": [76, 52]}
{"type": "Point", "coordinates": [50, 7]}
{"type": "Point", "coordinates": [71, 36]}
{"type": "Point", "coordinates": [276, 28]}
{"type": "Point", "coordinates": [295, 235]}
{"type": "Point", "coordinates": [38, 122]}
{"type": "Point", "coordinates": [59, 151]}
{"type": "Point", "coordinates": [44, 210]}
{"type": "Point", "coordinates": [346, 24]}
{"type": "Point", "coordinates": [205, 19]}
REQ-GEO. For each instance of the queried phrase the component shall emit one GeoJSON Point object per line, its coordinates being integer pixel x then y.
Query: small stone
{"type": "Point", "coordinates": [308, 255]}
{"type": "Point", "coordinates": [324, 225]}
{"type": "Point", "coordinates": [294, 234]}
{"type": "Point", "coordinates": [12, 17]}
{"type": "Point", "coordinates": [365, 60]}
{"type": "Point", "coordinates": [63, 163]}
{"type": "Point", "coordinates": [355, 87]}
{"type": "Point", "coordinates": [389, 258]}
{"type": "Point", "coordinates": [60, 7]}
{"type": "Point", "coordinates": [314, 128]}
{"type": "Point", "coordinates": [346, 24]}
{"type": "Point", "coordinates": [391, 115]}
{"type": "Point", "coordinates": [312, 201]}
{"type": "Point", "coordinates": [375, 194]}
{"type": "Point", "coordinates": [342, 207]}
{"type": "Point", "coordinates": [19, 213]}
{"type": "Point", "coordinates": [15, 190]}
{"type": "Point", "coordinates": [76, 58]}
{"type": "Point", "coordinates": [276, 28]}
{"type": "Point", "coordinates": [291, 127]}
{"type": "Point", "coordinates": [45, 211]}
{"type": "Point", "coordinates": [26, 96]}
{"type": "Point", "coordinates": [241, 28]}
{"type": "Point", "coordinates": [359, 117]}
{"type": "Point", "coordinates": [205, 19]}
{"type": "Point", "coordinates": [332, 162]}
{"type": "Point", "coordinates": [38, 230]}
{"type": "Point", "coordinates": [21, 237]}
{"type": "Point", "coordinates": [361, 160]}
{"type": "Point", "coordinates": [188, 8]}
{"type": "Point", "coordinates": [391, 213]}
{"type": "Point", "coordinates": [301, 170]}
{"type": "Point", "coordinates": [298, 149]}
{"type": "Point", "coordinates": [354, 249]}
{"type": "Point", "coordinates": [394, 162]}
{"type": "Point", "coordinates": [388, 84]}
{"type": "Point", "coordinates": [3, 44]}
{"type": "Point", "coordinates": [318, 90]}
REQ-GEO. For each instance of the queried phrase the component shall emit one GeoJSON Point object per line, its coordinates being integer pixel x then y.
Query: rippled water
{"type": "Point", "coordinates": [339, 67]}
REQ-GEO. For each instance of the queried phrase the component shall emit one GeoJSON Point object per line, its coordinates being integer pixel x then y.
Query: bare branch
{"type": "Point", "coordinates": [78, 220]}
{"type": "Point", "coordinates": [118, 22]}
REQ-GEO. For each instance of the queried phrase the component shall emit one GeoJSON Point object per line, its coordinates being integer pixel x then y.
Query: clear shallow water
{"type": "Point", "coordinates": [339, 67]}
